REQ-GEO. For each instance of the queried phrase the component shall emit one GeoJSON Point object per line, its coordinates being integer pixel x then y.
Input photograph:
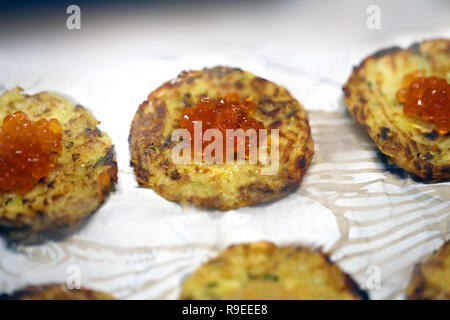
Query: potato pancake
{"type": "Point", "coordinates": [370, 95]}
{"type": "Point", "coordinates": [261, 270]}
{"type": "Point", "coordinates": [220, 186]}
{"type": "Point", "coordinates": [84, 172]}
{"type": "Point", "coordinates": [431, 279]}
{"type": "Point", "coordinates": [58, 292]}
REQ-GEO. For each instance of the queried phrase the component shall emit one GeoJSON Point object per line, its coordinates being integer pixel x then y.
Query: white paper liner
{"type": "Point", "coordinates": [141, 246]}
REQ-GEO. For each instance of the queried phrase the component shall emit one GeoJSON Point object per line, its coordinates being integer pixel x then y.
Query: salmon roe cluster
{"type": "Point", "coordinates": [426, 98]}
{"type": "Point", "coordinates": [229, 112]}
{"type": "Point", "coordinates": [27, 151]}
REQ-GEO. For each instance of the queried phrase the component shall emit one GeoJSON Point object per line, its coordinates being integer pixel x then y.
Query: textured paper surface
{"type": "Point", "coordinates": [140, 246]}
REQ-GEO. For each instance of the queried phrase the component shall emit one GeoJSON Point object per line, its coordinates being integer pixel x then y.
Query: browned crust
{"type": "Point", "coordinates": [351, 284]}
{"type": "Point", "coordinates": [416, 287]}
{"type": "Point", "coordinates": [419, 287]}
{"type": "Point", "coordinates": [400, 146]}
{"type": "Point", "coordinates": [56, 292]}
{"type": "Point", "coordinates": [149, 132]}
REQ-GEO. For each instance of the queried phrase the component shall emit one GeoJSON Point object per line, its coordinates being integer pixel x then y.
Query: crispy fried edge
{"type": "Point", "coordinates": [254, 194]}
{"type": "Point", "coordinates": [39, 291]}
{"type": "Point", "coordinates": [356, 103]}
{"type": "Point", "coordinates": [418, 284]}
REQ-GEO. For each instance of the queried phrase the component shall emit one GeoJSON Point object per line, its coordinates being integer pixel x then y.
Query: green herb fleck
{"type": "Point", "coordinates": [153, 147]}
{"type": "Point", "coordinates": [101, 161]}
{"type": "Point", "coordinates": [196, 183]}
{"type": "Point", "coordinates": [271, 277]}
{"type": "Point", "coordinates": [212, 284]}
{"type": "Point", "coordinates": [14, 202]}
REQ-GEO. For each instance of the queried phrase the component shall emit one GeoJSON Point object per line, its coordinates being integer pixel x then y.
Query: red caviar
{"type": "Point", "coordinates": [426, 98]}
{"type": "Point", "coordinates": [27, 151]}
{"type": "Point", "coordinates": [229, 112]}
